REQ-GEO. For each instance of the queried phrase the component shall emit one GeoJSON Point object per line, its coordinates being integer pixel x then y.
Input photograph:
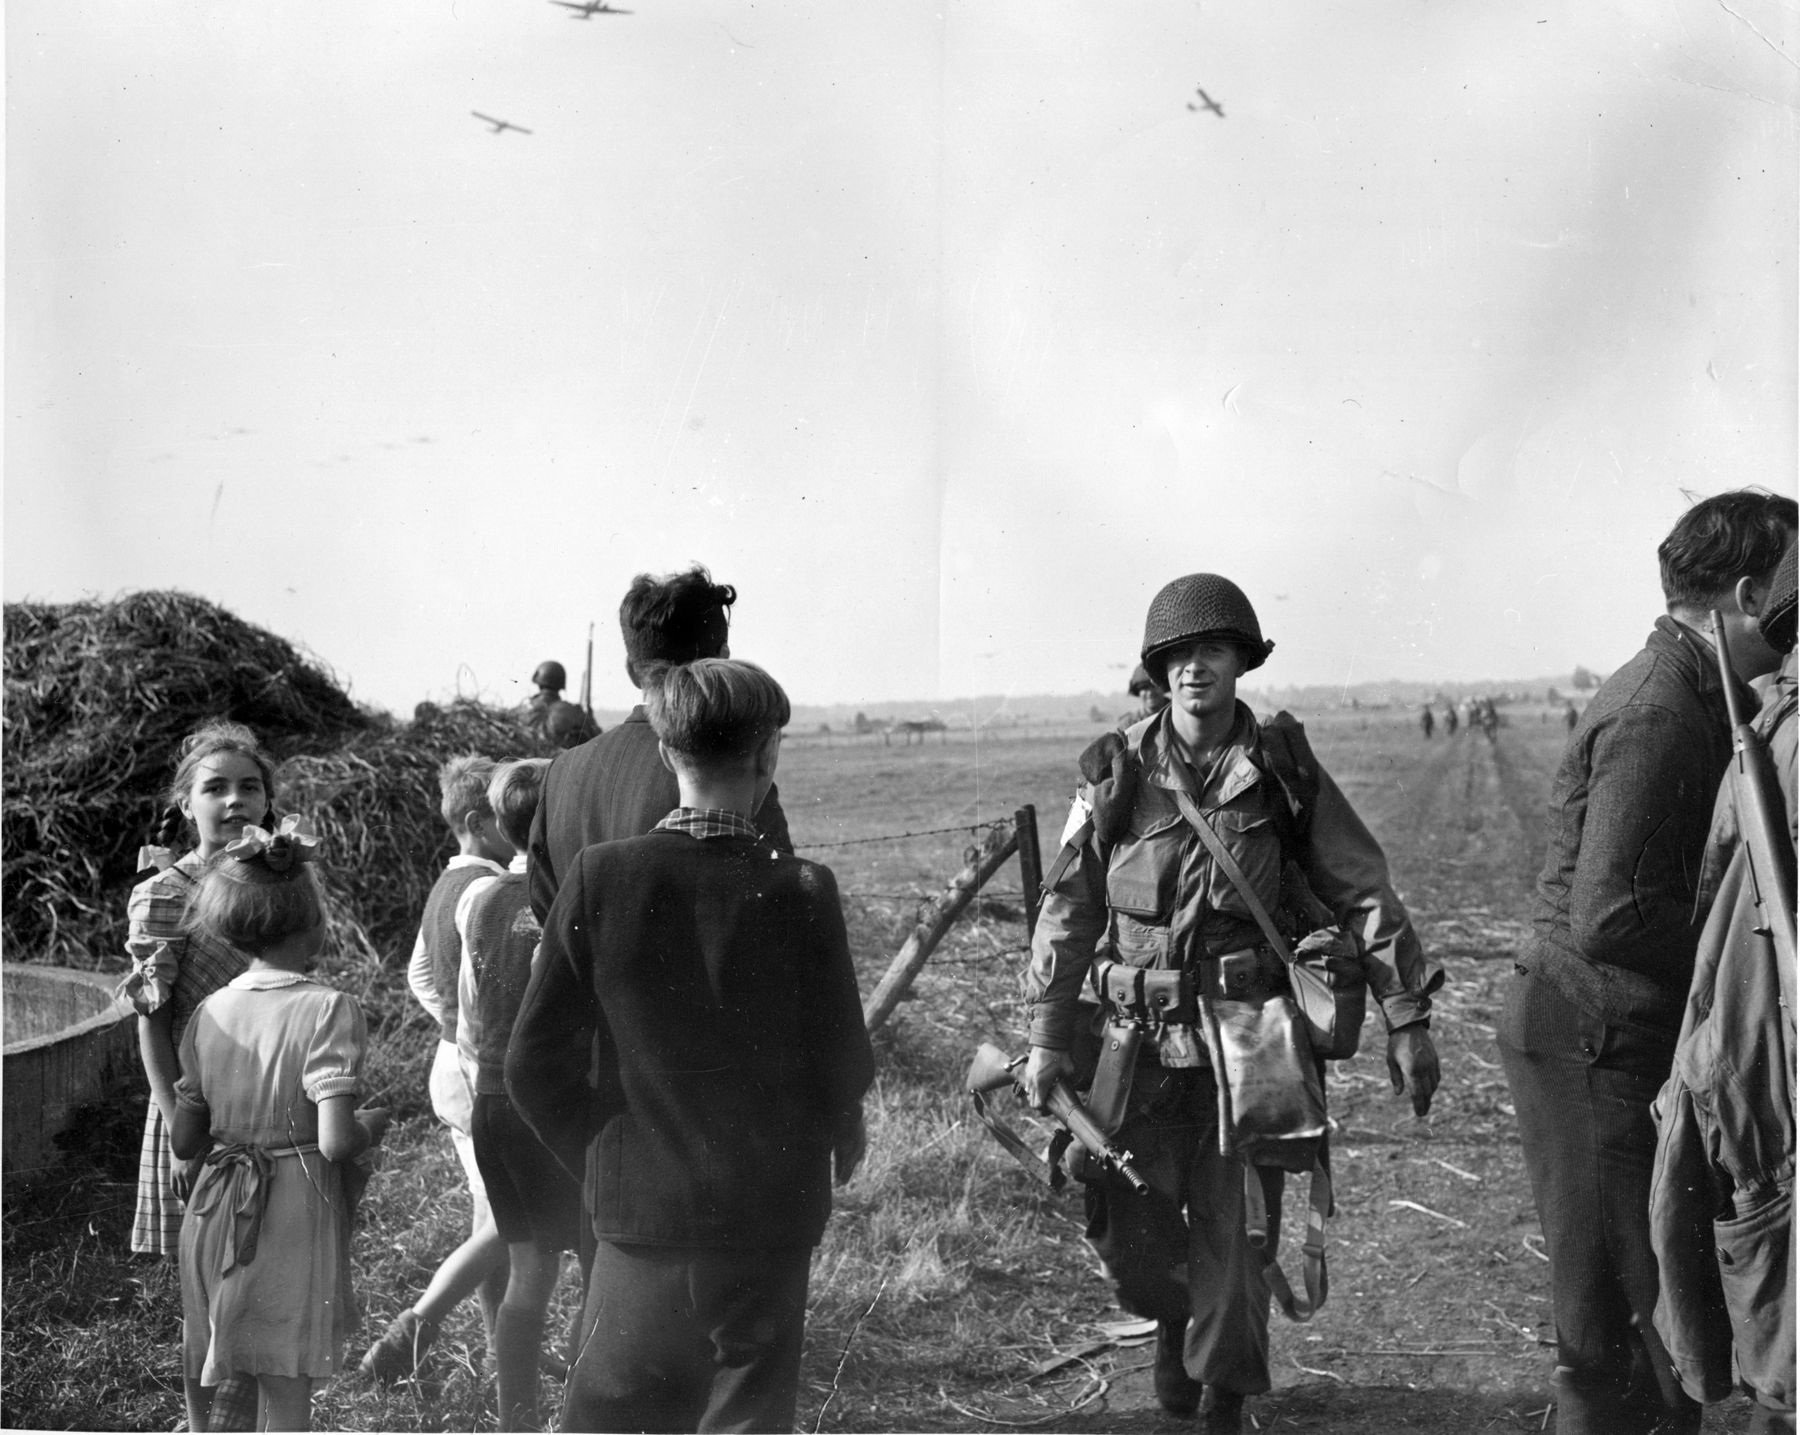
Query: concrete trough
{"type": "Point", "coordinates": [69, 1043]}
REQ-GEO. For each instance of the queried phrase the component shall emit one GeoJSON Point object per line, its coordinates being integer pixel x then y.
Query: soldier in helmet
{"type": "Point", "coordinates": [1142, 895]}
{"type": "Point", "coordinates": [1150, 698]}
{"type": "Point", "coordinates": [563, 723]}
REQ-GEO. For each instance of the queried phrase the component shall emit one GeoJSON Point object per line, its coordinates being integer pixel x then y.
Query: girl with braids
{"type": "Point", "coordinates": [271, 1065]}
{"type": "Point", "coordinates": [223, 782]}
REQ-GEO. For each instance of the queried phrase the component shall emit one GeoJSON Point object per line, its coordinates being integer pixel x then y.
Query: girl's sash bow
{"type": "Point", "coordinates": [244, 1170]}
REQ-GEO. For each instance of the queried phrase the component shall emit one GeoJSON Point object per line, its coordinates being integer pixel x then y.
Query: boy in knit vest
{"type": "Point", "coordinates": [692, 1042]}
{"type": "Point", "coordinates": [536, 1204]}
{"type": "Point", "coordinates": [479, 1264]}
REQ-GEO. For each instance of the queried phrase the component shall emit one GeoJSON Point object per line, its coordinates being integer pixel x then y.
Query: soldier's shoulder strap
{"type": "Point", "coordinates": [1071, 849]}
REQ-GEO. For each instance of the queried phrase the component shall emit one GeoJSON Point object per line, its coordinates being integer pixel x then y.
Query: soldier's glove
{"type": "Point", "coordinates": [1111, 771]}
{"type": "Point", "coordinates": [1413, 1065]}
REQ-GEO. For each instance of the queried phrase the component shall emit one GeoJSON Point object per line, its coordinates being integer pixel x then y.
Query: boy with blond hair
{"type": "Point", "coordinates": [692, 1044]}
{"type": "Point", "coordinates": [479, 1263]}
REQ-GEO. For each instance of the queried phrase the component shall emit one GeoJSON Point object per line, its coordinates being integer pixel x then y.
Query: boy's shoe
{"type": "Point", "coordinates": [402, 1346]}
{"type": "Point", "coordinates": [1176, 1390]}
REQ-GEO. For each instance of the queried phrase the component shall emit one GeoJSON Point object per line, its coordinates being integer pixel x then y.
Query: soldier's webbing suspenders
{"type": "Point", "coordinates": [1296, 783]}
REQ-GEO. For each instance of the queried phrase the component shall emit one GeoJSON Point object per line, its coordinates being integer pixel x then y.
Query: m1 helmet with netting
{"type": "Point", "coordinates": [1201, 605]}
{"type": "Point", "coordinates": [1777, 621]}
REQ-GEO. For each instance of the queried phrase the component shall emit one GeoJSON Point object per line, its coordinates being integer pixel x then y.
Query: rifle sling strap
{"type": "Point", "coordinates": [1313, 1271]}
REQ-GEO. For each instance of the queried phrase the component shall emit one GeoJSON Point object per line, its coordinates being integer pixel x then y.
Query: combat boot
{"type": "Point", "coordinates": [1221, 1412]}
{"type": "Point", "coordinates": [1176, 1390]}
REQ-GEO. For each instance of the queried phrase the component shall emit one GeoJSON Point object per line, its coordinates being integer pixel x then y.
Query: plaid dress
{"type": "Point", "coordinates": [204, 965]}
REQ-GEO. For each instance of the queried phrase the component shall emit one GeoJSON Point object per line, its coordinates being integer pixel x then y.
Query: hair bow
{"type": "Point", "coordinates": [279, 850]}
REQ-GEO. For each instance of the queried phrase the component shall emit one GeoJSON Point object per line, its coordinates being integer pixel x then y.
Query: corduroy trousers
{"type": "Point", "coordinates": [1582, 1089]}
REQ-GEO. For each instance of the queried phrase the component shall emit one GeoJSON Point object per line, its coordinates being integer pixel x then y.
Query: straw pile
{"type": "Point", "coordinates": [374, 801]}
{"type": "Point", "coordinates": [99, 696]}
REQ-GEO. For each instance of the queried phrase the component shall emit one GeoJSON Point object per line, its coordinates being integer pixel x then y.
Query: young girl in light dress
{"type": "Point", "coordinates": [271, 1065]}
{"type": "Point", "coordinates": [223, 782]}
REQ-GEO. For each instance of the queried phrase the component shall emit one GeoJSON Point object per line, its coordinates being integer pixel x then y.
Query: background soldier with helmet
{"type": "Point", "coordinates": [1150, 698]}
{"type": "Point", "coordinates": [1143, 895]}
{"type": "Point", "coordinates": [549, 715]}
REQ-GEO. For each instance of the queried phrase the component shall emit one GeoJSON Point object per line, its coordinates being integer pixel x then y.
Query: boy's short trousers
{"type": "Point", "coordinates": [452, 1098]}
{"type": "Point", "coordinates": [454, 1103]}
{"type": "Point", "coordinates": [533, 1198]}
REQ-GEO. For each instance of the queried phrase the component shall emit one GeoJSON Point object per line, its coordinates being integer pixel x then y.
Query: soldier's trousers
{"type": "Point", "coordinates": [1181, 1252]}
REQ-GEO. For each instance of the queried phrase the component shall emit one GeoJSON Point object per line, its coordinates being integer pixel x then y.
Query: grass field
{"type": "Point", "coordinates": [948, 1282]}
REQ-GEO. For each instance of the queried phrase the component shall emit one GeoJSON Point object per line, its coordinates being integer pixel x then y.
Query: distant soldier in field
{"type": "Point", "coordinates": [1570, 717]}
{"type": "Point", "coordinates": [547, 714]}
{"type": "Point", "coordinates": [1589, 1028]}
{"type": "Point", "coordinates": [1426, 721]}
{"type": "Point", "coordinates": [1144, 903]}
{"type": "Point", "coordinates": [1449, 719]}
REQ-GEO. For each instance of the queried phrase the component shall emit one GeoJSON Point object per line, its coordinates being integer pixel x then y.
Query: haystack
{"type": "Point", "coordinates": [374, 801]}
{"type": "Point", "coordinates": [99, 696]}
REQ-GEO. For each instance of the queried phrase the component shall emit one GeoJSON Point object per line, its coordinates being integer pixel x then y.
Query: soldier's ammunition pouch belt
{"type": "Point", "coordinates": [1161, 998]}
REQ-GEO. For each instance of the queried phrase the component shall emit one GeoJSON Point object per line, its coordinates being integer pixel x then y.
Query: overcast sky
{"type": "Point", "coordinates": [947, 333]}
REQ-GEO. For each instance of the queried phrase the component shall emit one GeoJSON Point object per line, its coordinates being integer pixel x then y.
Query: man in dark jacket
{"type": "Point", "coordinates": [615, 785]}
{"type": "Point", "coordinates": [692, 1044]}
{"type": "Point", "coordinates": [1590, 1024]}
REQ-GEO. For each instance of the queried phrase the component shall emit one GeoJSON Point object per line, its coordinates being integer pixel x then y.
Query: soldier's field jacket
{"type": "Point", "coordinates": [1722, 1192]}
{"type": "Point", "coordinates": [1157, 899]}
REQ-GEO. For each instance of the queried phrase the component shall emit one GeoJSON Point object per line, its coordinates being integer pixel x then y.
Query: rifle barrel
{"type": "Point", "coordinates": [1762, 818]}
{"type": "Point", "coordinates": [1084, 1129]}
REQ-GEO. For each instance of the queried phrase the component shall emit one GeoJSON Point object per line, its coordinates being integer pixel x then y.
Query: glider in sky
{"type": "Point", "coordinates": [1207, 102]}
{"type": "Point", "coordinates": [499, 125]}
{"type": "Point", "coordinates": [587, 9]}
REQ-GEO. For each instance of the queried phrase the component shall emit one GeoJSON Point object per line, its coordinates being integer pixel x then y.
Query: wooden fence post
{"type": "Point", "coordinates": [1031, 864]}
{"type": "Point", "coordinates": [999, 844]}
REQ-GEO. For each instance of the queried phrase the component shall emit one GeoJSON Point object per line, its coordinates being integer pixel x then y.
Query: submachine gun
{"type": "Point", "coordinates": [1760, 811]}
{"type": "Point", "coordinates": [992, 1070]}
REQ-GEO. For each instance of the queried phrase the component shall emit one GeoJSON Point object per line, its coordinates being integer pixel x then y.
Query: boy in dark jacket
{"type": "Point", "coordinates": [692, 1045]}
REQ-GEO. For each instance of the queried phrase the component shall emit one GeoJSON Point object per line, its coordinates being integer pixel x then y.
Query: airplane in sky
{"type": "Point", "coordinates": [500, 126]}
{"type": "Point", "coordinates": [587, 9]}
{"type": "Point", "coordinates": [1207, 102]}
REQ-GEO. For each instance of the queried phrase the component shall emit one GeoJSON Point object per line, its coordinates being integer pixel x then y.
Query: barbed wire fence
{"type": "Point", "coordinates": [993, 845]}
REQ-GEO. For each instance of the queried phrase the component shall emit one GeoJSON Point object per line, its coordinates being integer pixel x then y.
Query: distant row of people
{"type": "Point", "coordinates": [1481, 714]}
